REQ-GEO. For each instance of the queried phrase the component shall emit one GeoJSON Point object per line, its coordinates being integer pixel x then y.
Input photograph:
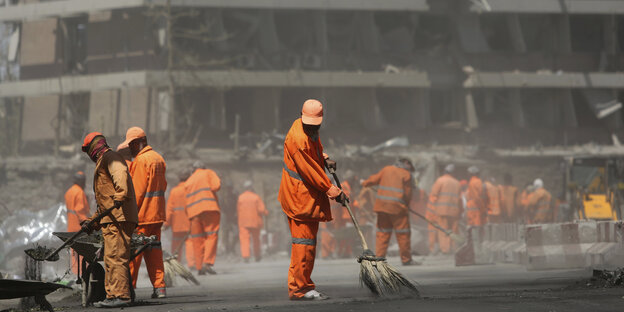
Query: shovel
{"type": "Point", "coordinates": [41, 253]}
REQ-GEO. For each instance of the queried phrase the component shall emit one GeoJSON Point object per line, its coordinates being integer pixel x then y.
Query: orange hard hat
{"type": "Point", "coordinates": [312, 112]}
{"type": "Point", "coordinates": [122, 145]}
{"type": "Point", "coordinates": [133, 134]}
{"type": "Point", "coordinates": [88, 139]}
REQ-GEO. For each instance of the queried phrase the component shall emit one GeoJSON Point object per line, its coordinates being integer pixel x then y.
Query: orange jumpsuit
{"type": "Point", "coordinates": [393, 196]}
{"type": "Point", "coordinates": [148, 177]}
{"type": "Point", "coordinates": [303, 196]}
{"type": "Point", "coordinates": [523, 203]}
{"type": "Point", "coordinates": [179, 223]}
{"type": "Point", "coordinates": [204, 214]}
{"type": "Point", "coordinates": [493, 203]}
{"type": "Point", "coordinates": [539, 203]}
{"type": "Point", "coordinates": [77, 211]}
{"type": "Point", "coordinates": [445, 200]}
{"type": "Point", "coordinates": [509, 197]}
{"type": "Point", "coordinates": [476, 202]}
{"type": "Point", "coordinates": [251, 209]}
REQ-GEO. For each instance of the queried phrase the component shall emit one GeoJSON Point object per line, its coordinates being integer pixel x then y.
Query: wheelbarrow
{"type": "Point", "coordinates": [90, 247]}
{"type": "Point", "coordinates": [11, 289]}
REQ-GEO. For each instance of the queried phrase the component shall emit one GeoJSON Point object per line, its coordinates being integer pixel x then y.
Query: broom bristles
{"type": "Point", "coordinates": [383, 279]}
{"type": "Point", "coordinates": [174, 268]}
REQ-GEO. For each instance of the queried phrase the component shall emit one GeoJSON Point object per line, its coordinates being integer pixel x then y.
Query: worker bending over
{"type": "Point", "coordinates": [148, 175]}
{"type": "Point", "coordinates": [250, 209]}
{"type": "Point", "coordinates": [394, 193]}
{"type": "Point", "coordinates": [77, 211]}
{"type": "Point", "coordinates": [204, 214]}
{"type": "Point", "coordinates": [113, 189]}
{"type": "Point", "coordinates": [304, 194]}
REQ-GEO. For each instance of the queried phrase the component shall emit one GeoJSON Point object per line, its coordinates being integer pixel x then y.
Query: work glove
{"type": "Point", "coordinates": [330, 164]}
{"type": "Point", "coordinates": [342, 198]}
{"type": "Point", "coordinates": [118, 204]}
{"type": "Point", "coordinates": [86, 227]}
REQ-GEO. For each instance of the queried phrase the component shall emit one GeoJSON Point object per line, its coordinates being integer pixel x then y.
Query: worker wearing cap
{"type": "Point", "coordinates": [204, 213]}
{"type": "Point", "coordinates": [304, 194]}
{"type": "Point", "coordinates": [476, 199]}
{"type": "Point", "coordinates": [77, 210]}
{"type": "Point", "coordinates": [539, 204]}
{"type": "Point", "coordinates": [394, 193]}
{"type": "Point", "coordinates": [494, 212]}
{"type": "Point", "coordinates": [178, 221]}
{"type": "Point", "coordinates": [445, 201]}
{"type": "Point", "coordinates": [113, 189]}
{"type": "Point", "coordinates": [250, 209]}
{"type": "Point", "coordinates": [148, 175]}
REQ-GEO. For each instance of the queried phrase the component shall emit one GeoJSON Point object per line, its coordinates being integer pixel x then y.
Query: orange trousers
{"type": "Point", "coordinates": [328, 244]}
{"type": "Point", "coordinates": [432, 231]}
{"type": "Point", "coordinates": [386, 223]}
{"type": "Point", "coordinates": [205, 236]}
{"type": "Point", "coordinates": [153, 258]}
{"type": "Point", "coordinates": [76, 260]}
{"type": "Point", "coordinates": [117, 258]}
{"type": "Point", "coordinates": [177, 239]}
{"type": "Point", "coordinates": [474, 217]}
{"type": "Point", "coordinates": [303, 252]}
{"type": "Point", "coordinates": [245, 234]}
{"type": "Point", "coordinates": [444, 241]}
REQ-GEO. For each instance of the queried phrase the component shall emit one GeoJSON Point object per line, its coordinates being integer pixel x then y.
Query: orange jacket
{"type": "Point", "coordinates": [366, 201]}
{"type": "Point", "coordinates": [494, 199]}
{"type": "Point", "coordinates": [476, 195]}
{"type": "Point", "coordinates": [201, 188]}
{"type": "Point", "coordinates": [444, 198]}
{"type": "Point", "coordinates": [251, 209]}
{"type": "Point", "coordinates": [539, 206]}
{"type": "Point", "coordinates": [148, 176]}
{"type": "Point", "coordinates": [509, 197]}
{"type": "Point", "coordinates": [304, 185]}
{"type": "Point", "coordinates": [419, 204]}
{"type": "Point", "coordinates": [176, 212]}
{"type": "Point", "coordinates": [77, 207]}
{"type": "Point", "coordinates": [395, 189]}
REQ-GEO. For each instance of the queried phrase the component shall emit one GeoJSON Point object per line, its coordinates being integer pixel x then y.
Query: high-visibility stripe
{"type": "Point", "coordinates": [445, 204]}
{"type": "Point", "coordinates": [384, 230]}
{"type": "Point", "coordinates": [304, 241]}
{"type": "Point", "coordinates": [202, 234]}
{"type": "Point", "coordinates": [390, 188]}
{"type": "Point", "coordinates": [179, 238]}
{"type": "Point", "coordinates": [448, 194]}
{"type": "Point", "coordinates": [199, 190]}
{"type": "Point", "coordinates": [72, 211]}
{"type": "Point", "coordinates": [155, 194]}
{"type": "Point", "coordinates": [400, 200]}
{"type": "Point", "coordinates": [178, 209]}
{"type": "Point", "coordinates": [472, 209]}
{"type": "Point", "coordinates": [292, 174]}
{"type": "Point", "coordinates": [402, 231]}
{"type": "Point", "coordinates": [198, 201]}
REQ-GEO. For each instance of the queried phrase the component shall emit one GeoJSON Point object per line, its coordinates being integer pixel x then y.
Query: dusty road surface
{"type": "Point", "coordinates": [262, 287]}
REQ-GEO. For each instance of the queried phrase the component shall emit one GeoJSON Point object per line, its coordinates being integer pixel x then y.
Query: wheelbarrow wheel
{"type": "Point", "coordinates": [93, 284]}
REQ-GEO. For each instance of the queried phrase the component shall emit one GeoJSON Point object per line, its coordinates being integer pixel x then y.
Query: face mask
{"type": "Point", "coordinates": [97, 146]}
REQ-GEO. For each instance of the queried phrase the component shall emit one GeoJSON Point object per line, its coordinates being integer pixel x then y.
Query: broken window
{"type": "Point", "coordinates": [74, 38]}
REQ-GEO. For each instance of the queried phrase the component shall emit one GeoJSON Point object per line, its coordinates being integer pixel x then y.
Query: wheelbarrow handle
{"type": "Point", "coordinates": [73, 237]}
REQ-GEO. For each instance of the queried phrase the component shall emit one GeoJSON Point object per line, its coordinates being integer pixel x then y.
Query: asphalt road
{"type": "Point", "coordinates": [444, 287]}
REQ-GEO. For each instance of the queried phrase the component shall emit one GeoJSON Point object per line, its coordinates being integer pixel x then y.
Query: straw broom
{"type": "Point", "coordinates": [174, 268]}
{"type": "Point", "coordinates": [375, 273]}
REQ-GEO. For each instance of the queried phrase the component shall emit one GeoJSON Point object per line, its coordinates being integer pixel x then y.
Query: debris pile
{"type": "Point", "coordinates": [607, 279]}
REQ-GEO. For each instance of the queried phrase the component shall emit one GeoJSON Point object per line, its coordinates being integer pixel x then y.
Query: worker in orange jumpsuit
{"type": "Point", "coordinates": [539, 203]}
{"type": "Point", "coordinates": [204, 213]}
{"type": "Point", "coordinates": [494, 201]}
{"type": "Point", "coordinates": [148, 176]}
{"type": "Point", "coordinates": [432, 232]}
{"type": "Point", "coordinates": [77, 211]}
{"type": "Point", "coordinates": [305, 191]}
{"type": "Point", "coordinates": [250, 209]}
{"type": "Point", "coordinates": [476, 199]}
{"type": "Point", "coordinates": [509, 199]}
{"type": "Point", "coordinates": [523, 203]}
{"type": "Point", "coordinates": [178, 221]}
{"type": "Point", "coordinates": [394, 193]}
{"type": "Point", "coordinates": [113, 190]}
{"type": "Point", "coordinates": [445, 200]}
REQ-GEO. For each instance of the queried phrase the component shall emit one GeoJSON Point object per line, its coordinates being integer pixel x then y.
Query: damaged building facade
{"type": "Point", "coordinates": [499, 73]}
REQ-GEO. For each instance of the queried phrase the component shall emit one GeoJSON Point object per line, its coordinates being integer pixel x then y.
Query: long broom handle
{"type": "Point", "coordinates": [345, 204]}
{"type": "Point", "coordinates": [434, 224]}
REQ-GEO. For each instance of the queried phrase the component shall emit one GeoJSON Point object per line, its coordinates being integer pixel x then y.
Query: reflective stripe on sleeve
{"type": "Point", "coordinates": [177, 208]}
{"type": "Point", "coordinates": [304, 241]}
{"type": "Point", "coordinates": [155, 194]}
{"type": "Point", "coordinates": [72, 211]}
{"type": "Point", "coordinates": [292, 174]}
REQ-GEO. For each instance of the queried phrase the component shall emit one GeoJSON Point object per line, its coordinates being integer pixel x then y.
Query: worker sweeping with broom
{"type": "Point", "coordinates": [304, 194]}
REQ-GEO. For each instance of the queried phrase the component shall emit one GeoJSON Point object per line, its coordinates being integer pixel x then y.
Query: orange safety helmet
{"type": "Point", "coordinates": [312, 112]}
{"type": "Point", "coordinates": [88, 139]}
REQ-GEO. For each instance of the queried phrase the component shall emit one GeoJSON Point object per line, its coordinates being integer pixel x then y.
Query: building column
{"type": "Point", "coordinates": [564, 99]}
{"type": "Point", "coordinates": [422, 102]}
{"type": "Point", "coordinates": [217, 110]}
{"type": "Point", "coordinates": [515, 32]}
{"type": "Point", "coordinates": [517, 112]}
{"type": "Point", "coordinates": [471, 117]}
